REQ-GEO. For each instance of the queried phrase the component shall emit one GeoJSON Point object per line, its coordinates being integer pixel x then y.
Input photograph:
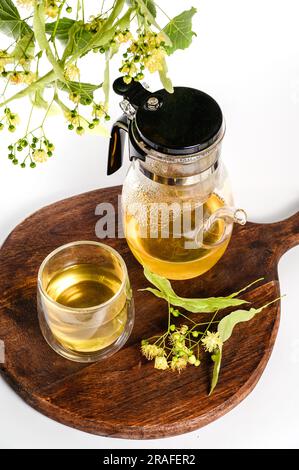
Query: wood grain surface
{"type": "Point", "coordinates": [124, 396]}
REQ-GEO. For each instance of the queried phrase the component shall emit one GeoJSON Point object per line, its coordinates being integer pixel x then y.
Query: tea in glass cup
{"type": "Point", "coordinates": [85, 304]}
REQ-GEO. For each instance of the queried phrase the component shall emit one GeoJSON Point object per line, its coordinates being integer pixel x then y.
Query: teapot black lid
{"type": "Point", "coordinates": [179, 123]}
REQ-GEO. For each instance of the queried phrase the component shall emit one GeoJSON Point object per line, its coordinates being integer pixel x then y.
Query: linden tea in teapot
{"type": "Point", "coordinates": [176, 200]}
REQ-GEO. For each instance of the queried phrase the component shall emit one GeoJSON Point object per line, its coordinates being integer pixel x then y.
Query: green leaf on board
{"type": "Point", "coordinates": [179, 30]}
{"type": "Point", "coordinates": [11, 23]}
{"type": "Point", "coordinates": [216, 358]}
{"type": "Point", "coordinates": [227, 324]}
{"type": "Point", "coordinates": [225, 329]}
{"type": "Point", "coordinates": [204, 305]}
{"type": "Point", "coordinates": [160, 282]}
{"type": "Point", "coordinates": [85, 90]}
{"type": "Point", "coordinates": [165, 80]}
{"type": "Point", "coordinates": [246, 287]}
{"type": "Point", "coordinates": [208, 305]}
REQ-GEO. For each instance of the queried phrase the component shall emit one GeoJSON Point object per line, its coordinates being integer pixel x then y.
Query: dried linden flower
{"type": "Point", "coordinates": [184, 329]}
{"type": "Point", "coordinates": [150, 351]}
{"type": "Point", "coordinates": [161, 363]}
{"type": "Point", "coordinates": [211, 341]}
{"type": "Point", "coordinates": [178, 364]}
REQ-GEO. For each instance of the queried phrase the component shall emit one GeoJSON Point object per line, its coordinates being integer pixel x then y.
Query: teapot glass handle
{"type": "Point", "coordinates": [226, 214]}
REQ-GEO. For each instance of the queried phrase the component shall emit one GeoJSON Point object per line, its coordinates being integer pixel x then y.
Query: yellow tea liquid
{"type": "Point", "coordinates": [82, 286]}
{"type": "Point", "coordinates": [168, 256]}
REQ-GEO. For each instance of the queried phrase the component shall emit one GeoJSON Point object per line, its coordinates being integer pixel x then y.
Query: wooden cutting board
{"type": "Point", "coordinates": [124, 396]}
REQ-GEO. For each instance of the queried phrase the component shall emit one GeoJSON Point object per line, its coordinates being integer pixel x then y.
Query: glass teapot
{"type": "Point", "coordinates": [178, 210]}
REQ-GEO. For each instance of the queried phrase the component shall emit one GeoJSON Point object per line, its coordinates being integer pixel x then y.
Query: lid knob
{"type": "Point", "coordinates": [153, 103]}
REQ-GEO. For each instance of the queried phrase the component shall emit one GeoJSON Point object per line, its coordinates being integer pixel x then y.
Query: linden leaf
{"type": "Point", "coordinates": [150, 5]}
{"type": "Point", "coordinates": [227, 324]}
{"type": "Point", "coordinates": [24, 48]}
{"type": "Point", "coordinates": [179, 30]}
{"type": "Point", "coordinates": [106, 82]}
{"type": "Point", "coordinates": [165, 80]}
{"type": "Point", "coordinates": [62, 28]}
{"type": "Point", "coordinates": [41, 38]}
{"type": "Point", "coordinates": [11, 23]}
{"type": "Point", "coordinates": [85, 90]}
{"type": "Point", "coordinates": [160, 282]}
{"type": "Point", "coordinates": [38, 99]}
{"type": "Point", "coordinates": [225, 329]}
{"type": "Point", "coordinates": [124, 22]}
{"type": "Point", "coordinates": [204, 305]}
{"type": "Point", "coordinates": [216, 358]}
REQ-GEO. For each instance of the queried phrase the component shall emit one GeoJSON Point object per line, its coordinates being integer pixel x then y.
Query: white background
{"type": "Point", "coordinates": [246, 55]}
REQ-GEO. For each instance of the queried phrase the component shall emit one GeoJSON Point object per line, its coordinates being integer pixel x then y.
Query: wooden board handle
{"type": "Point", "coordinates": [285, 233]}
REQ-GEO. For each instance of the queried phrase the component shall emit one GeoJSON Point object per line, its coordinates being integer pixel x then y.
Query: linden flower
{"type": "Point", "coordinates": [72, 118]}
{"type": "Point", "coordinates": [182, 351]}
{"type": "Point", "coordinates": [99, 110]}
{"type": "Point", "coordinates": [211, 341]}
{"type": "Point", "coordinates": [14, 119]}
{"type": "Point", "coordinates": [154, 61]}
{"type": "Point", "coordinates": [26, 3]}
{"type": "Point", "coordinates": [39, 156]}
{"type": "Point", "coordinates": [75, 97]}
{"type": "Point", "coordinates": [184, 329]}
{"type": "Point", "coordinates": [177, 338]}
{"type": "Point", "coordinates": [129, 68]}
{"type": "Point", "coordinates": [16, 78]}
{"type": "Point", "coordinates": [5, 59]}
{"type": "Point", "coordinates": [161, 363]}
{"type": "Point", "coordinates": [127, 79]}
{"type": "Point", "coordinates": [178, 364]}
{"type": "Point", "coordinates": [51, 9]}
{"type": "Point", "coordinates": [150, 351]}
{"type": "Point", "coordinates": [71, 72]}
{"type": "Point", "coordinates": [123, 37]}
{"type": "Point", "coordinates": [29, 77]}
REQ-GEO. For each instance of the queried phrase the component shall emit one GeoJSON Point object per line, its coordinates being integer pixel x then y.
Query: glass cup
{"type": "Point", "coordinates": [84, 300]}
